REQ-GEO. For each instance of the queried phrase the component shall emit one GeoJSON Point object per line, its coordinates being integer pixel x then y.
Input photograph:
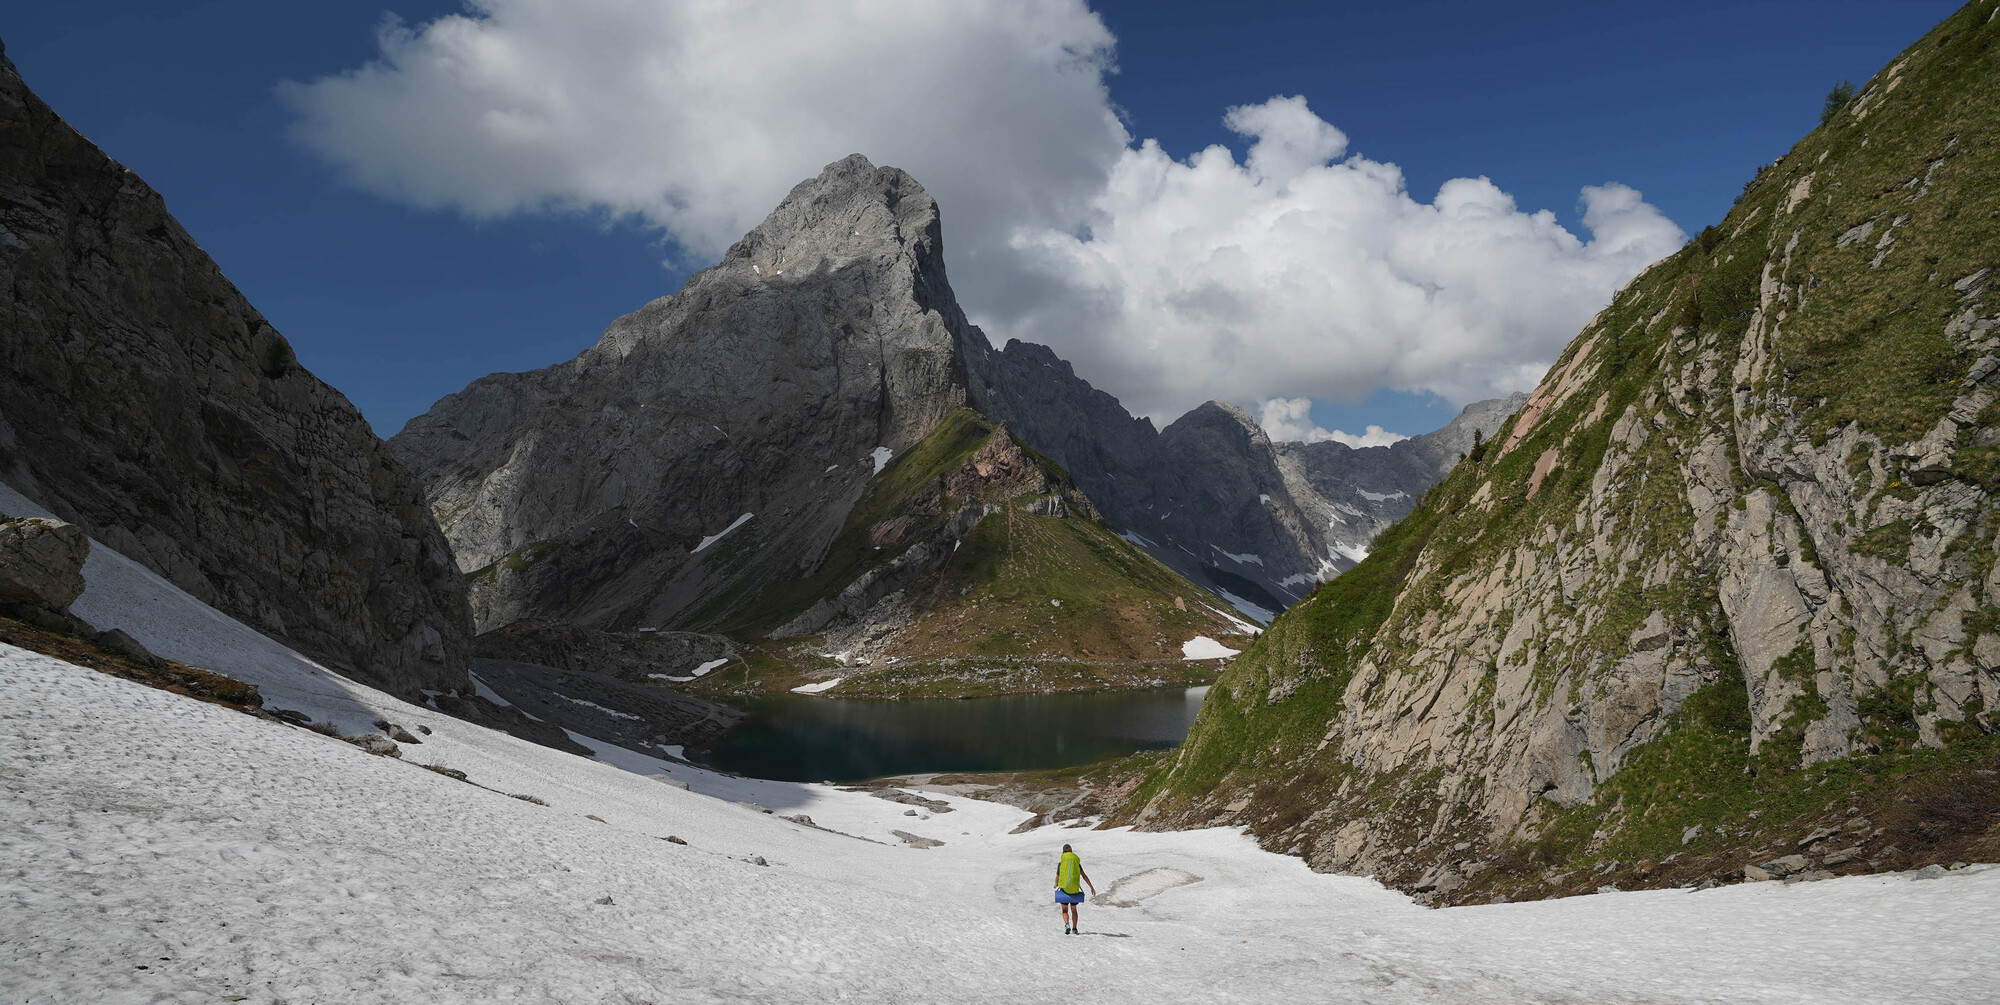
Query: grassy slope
{"type": "Point", "coordinates": [985, 623]}
{"type": "Point", "coordinates": [1868, 348]}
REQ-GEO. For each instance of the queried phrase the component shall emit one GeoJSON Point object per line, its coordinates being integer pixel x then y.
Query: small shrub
{"type": "Point", "coordinates": [529, 799]}
{"type": "Point", "coordinates": [1836, 100]}
{"type": "Point", "coordinates": [447, 772]}
{"type": "Point", "coordinates": [1947, 806]}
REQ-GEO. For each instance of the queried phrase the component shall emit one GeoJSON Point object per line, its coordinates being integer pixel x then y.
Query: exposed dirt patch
{"type": "Point", "coordinates": [167, 675]}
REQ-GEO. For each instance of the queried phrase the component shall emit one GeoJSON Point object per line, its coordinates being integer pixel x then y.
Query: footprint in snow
{"type": "Point", "coordinates": [1129, 891]}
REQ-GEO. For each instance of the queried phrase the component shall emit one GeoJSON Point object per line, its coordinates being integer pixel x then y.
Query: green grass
{"type": "Point", "coordinates": [1048, 603]}
{"type": "Point", "coordinates": [758, 608]}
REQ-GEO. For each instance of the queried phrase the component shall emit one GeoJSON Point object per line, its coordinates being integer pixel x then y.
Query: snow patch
{"type": "Point", "coordinates": [170, 791]}
{"type": "Point", "coordinates": [724, 532]}
{"type": "Point", "coordinates": [1299, 579]}
{"type": "Point", "coordinates": [825, 685]}
{"type": "Point", "coordinates": [710, 665]}
{"type": "Point", "coordinates": [1201, 647]}
{"type": "Point", "coordinates": [479, 688]}
{"type": "Point", "coordinates": [1132, 538]}
{"type": "Point", "coordinates": [1255, 613]}
{"type": "Point", "coordinates": [1240, 625]}
{"type": "Point", "coordinates": [1380, 496]}
{"type": "Point", "coordinates": [600, 708]}
{"type": "Point", "coordinates": [1352, 552]}
{"type": "Point", "coordinates": [1263, 499]}
{"type": "Point", "coordinates": [882, 455]}
{"type": "Point", "coordinates": [671, 677]}
{"type": "Point", "coordinates": [1241, 559]}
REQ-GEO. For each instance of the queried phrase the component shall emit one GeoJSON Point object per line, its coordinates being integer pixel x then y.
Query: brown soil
{"type": "Point", "coordinates": [167, 675]}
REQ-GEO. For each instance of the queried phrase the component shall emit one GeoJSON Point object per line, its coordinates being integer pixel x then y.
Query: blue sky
{"type": "Point", "coordinates": [396, 304]}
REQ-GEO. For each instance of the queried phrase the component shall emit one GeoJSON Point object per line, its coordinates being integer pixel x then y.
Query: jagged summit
{"type": "Point", "coordinates": [764, 387]}
{"type": "Point", "coordinates": [851, 209]}
{"type": "Point", "coordinates": [715, 442]}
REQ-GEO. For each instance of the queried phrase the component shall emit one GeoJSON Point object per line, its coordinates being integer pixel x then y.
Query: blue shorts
{"type": "Point", "coordinates": [1069, 898]}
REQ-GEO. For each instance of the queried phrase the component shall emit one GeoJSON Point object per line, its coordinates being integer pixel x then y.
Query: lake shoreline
{"type": "Point", "coordinates": [857, 740]}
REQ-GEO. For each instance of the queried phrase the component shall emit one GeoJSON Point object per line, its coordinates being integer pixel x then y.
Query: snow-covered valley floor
{"type": "Point", "coordinates": [158, 849]}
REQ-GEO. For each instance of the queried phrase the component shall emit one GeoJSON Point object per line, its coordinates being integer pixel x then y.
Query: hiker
{"type": "Point", "coordinates": [1070, 881]}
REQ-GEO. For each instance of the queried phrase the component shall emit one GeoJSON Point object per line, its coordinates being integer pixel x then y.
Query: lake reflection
{"type": "Point", "coordinates": [809, 739]}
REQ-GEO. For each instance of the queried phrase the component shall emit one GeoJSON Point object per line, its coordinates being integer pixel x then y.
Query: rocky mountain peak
{"type": "Point", "coordinates": [1221, 418]}
{"type": "Point", "coordinates": [755, 404]}
{"type": "Point", "coordinates": [850, 210]}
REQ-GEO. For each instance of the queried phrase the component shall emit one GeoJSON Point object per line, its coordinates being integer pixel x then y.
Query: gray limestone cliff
{"type": "Point", "coordinates": [144, 400]}
{"type": "Point", "coordinates": [1729, 581]}
{"type": "Point", "coordinates": [1211, 495]}
{"type": "Point", "coordinates": [712, 440]}
{"type": "Point", "coordinates": [715, 440]}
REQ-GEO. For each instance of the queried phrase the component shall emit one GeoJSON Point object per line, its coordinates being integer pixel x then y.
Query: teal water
{"type": "Point", "coordinates": [809, 739]}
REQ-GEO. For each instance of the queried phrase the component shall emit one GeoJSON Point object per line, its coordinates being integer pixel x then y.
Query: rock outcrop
{"type": "Point", "coordinates": [1211, 495]}
{"type": "Point", "coordinates": [144, 400]}
{"type": "Point", "coordinates": [1736, 553]}
{"type": "Point", "coordinates": [717, 442]}
{"type": "Point", "coordinates": [41, 571]}
{"type": "Point", "coordinates": [711, 440]}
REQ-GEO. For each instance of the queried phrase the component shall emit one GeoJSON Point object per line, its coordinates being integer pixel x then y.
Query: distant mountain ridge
{"type": "Point", "coordinates": [756, 405]}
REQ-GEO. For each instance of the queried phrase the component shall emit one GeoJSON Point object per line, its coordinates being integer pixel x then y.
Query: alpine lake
{"type": "Point", "coordinates": [807, 738]}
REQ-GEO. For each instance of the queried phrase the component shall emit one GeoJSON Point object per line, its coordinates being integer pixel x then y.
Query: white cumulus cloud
{"type": "Point", "coordinates": [699, 115]}
{"type": "Point", "coordinates": [1295, 273]}
{"type": "Point", "coordinates": [1302, 271]}
{"type": "Point", "coordinates": [1289, 420]}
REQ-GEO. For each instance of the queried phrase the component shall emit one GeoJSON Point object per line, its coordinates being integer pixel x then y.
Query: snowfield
{"type": "Point", "coordinates": [158, 849]}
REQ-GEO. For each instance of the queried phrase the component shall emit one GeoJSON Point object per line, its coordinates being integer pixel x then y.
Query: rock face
{"type": "Point", "coordinates": [41, 570]}
{"type": "Point", "coordinates": [625, 708]}
{"type": "Point", "coordinates": [583, 650]}
{"type": "Point", "coordinates": [1744, 527]}
{"type": "Point", "coordinates": [711, 439]}
{"type": "Point", "coordinates": [1355, 493]}
{"type": "Point", "coordinates": [143, 399]}
{"type": "Point", "coordinates": [974, 560]}
{"type": "Point", "coordinates": [716, 441]}
{"type": "Point", "coordinates": [1211, 495]}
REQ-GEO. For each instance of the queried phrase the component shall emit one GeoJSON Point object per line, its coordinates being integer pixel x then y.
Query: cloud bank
{"type": "Point", "coordinates": [697, 116]}
{"type": "Point", "coordinates": [1304, 271]}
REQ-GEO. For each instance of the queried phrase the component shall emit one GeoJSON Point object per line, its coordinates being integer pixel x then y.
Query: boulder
{"type": "Point", "coordinates": [1785, 866]}
{"type": "Point", "coordinates": [41, 564]}
{"type": "Point", "coordinates": [116, 642]}
{"type": "Point", "coordinates": [376, 743]}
